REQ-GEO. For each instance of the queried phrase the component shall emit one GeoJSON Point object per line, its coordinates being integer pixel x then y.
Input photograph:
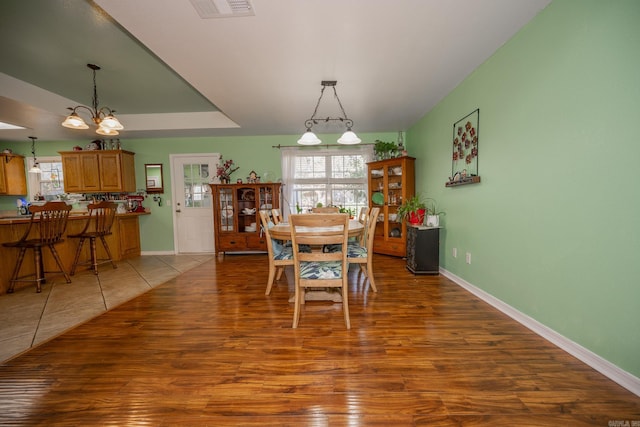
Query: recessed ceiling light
{"type": "Point", "coordinates": [4, 125]}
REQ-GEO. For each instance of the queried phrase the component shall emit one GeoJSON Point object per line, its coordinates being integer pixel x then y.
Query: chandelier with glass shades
{"type": "Point", "coordinates": [103, 117]}
{"type": "Point", "coordinates": [310, 138]}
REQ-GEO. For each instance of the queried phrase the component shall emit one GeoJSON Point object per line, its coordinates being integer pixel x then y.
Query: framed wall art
{"type": "Point", "coordinates": [464, 159]}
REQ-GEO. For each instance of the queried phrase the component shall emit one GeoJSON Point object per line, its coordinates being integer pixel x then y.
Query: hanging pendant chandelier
{"type": "Point", "coordinates": [36, 166]}
{"type": "Point", "coordinates": [347, 138]}
{"type": "Point", "coordinates": [103, 117]}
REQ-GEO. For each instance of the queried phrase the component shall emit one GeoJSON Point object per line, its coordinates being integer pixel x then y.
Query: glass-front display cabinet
{"type": "Point", "coordinates": [391, 181]}
{"type": "Point", "coordinates": [236, 218]}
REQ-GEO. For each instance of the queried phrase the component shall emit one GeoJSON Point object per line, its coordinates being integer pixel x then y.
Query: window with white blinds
{"type": "Point", "coordinates": [329, 176]}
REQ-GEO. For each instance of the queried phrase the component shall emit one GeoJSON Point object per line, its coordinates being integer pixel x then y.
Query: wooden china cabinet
{"type": "Point", "coordinates": [391, 181]}
{"type": "Point", "coordinates": [236, 220]}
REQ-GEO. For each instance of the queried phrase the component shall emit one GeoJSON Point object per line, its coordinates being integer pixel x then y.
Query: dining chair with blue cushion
{"type": "Point", "coordinates": [319, 269]}
{"type": "Point", "coordinates": [280, 255]}
{"type": "Point", "coordinates": [362, 254]}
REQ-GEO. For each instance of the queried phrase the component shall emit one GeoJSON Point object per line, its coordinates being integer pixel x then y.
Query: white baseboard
{"type": "Point", "coordinates": [613, 372]}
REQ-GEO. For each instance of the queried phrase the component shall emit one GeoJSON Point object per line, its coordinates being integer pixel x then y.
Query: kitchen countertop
{"type": "Point", "coordinates": [12, 218]}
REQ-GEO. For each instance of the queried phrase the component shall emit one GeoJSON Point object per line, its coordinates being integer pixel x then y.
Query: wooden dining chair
{"type": "Point", "coordinates": [96, 227]}
{"type": "Point", "coordinates": [276, 214]}
{"type": "Point", "coordinates": [319, 269]}
{"type": "Point", "coordinates": [362, 254]}
{"type": "Point", "coordinates": [50, 222]}
{"type": "Point", "coordinates": [363, 217]}
{"type": "Point", "coordinates": [279, 255]}
{"type": "Point", "coordinates": [326, 209]}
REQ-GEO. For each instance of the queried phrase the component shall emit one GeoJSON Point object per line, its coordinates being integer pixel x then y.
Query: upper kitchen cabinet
{"type": "Point", "coordinates": [108, 171]}
{"type": "Point", "coordinates": [13, 179]}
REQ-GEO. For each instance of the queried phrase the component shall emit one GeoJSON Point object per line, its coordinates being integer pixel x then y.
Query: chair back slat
{"type": "Point", "coordinates": [51, 219]}
{"type": "Point", "coordinates": [264, 224]}
{"type": "Point", "coordinates": [326, 209]}
{"type": "Point", "coordinates": [318, 230]}
{"type": "Point", "coordinates": [370, 229]}
{"type": "Point", "coordinates": [103, 214]}
{"type": "Point", "coordinates": [276, 214]}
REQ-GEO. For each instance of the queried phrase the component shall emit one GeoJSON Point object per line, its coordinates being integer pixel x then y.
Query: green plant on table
{"type": "Point", "coordinates": [410, 205]}
{"type": "Point", "coordinates": [351, 212]}
{"type": "Point", "coordinates": [431, 207]}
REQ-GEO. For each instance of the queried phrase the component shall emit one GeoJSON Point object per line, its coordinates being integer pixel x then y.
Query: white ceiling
{"type": "Point", "coordinates": [169, 72]}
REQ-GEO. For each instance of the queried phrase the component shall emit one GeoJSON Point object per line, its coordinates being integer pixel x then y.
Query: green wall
{"type": "Point", "coordinates": [249, 153]}
{"type": "Point", "coordinates": [553, 228]}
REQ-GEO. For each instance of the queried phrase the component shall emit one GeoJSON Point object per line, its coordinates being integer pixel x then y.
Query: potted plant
{"type": "Point", "coordinates": [384, 150]}
{"type": "Point", "coordinates": [413, 209]}
{"type": "Point", "coordinates": [432, 213]}
{"type": "Point", "coordinates": [351, 212]}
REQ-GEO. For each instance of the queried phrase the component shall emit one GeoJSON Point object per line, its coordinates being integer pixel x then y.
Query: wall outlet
{"type": "Point", "coordinates": [468, 257]}
{"type": "Point", "coordinates": [455, 252]}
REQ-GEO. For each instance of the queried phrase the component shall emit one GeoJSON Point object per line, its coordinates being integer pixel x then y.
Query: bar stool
{"type": "Point", "coordinates": [50, 220]}
{"type": "Point", "coordinates": [97, 226]}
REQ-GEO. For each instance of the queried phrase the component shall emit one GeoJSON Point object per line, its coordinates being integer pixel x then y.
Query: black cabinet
{"type": "Point", "coordinates": [423, 249]}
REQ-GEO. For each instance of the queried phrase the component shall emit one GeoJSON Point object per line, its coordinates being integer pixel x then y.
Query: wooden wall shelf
{"type": "Point", "coordinates": [463, 181]}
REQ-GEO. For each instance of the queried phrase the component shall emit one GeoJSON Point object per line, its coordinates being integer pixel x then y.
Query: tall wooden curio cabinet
{"type": "Point", "coordinates": [236, 219]}
{"type": "Point", "coordinates": [391, 181]}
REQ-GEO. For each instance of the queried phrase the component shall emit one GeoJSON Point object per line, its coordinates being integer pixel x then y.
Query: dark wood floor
{"type": "Point", "coordinates": [209, 348]}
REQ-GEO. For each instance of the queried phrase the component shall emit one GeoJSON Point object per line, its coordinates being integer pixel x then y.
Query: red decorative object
{"type": "Point", "coordinates": [417, 217]}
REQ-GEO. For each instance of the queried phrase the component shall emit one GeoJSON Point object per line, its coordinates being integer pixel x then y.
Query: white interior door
{"type": "Point", "coordinates": [192, 204]}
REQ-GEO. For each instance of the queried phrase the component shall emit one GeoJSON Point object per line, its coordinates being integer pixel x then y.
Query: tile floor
{"type": "Point", "coordinates": [28, 318]}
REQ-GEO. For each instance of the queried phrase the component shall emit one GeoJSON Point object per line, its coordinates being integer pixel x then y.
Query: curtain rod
{"type": "Point", "coordinates": [321, 145]}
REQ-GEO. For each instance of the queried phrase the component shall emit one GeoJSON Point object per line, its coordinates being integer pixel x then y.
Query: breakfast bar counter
{"type": "Point", "coordinates": [124, 242]}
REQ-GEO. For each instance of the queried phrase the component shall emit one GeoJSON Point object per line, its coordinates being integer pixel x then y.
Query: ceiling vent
{"type": "Point", "coordinates": [222, 8]}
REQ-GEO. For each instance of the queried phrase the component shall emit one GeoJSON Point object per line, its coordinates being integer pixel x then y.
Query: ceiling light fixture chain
{"type": "Point", "coordinates": [36, 167]}
{"type": "Point", "coordinates": [103, 117]}
{"type": "Point", "coordinates": [310, 138]}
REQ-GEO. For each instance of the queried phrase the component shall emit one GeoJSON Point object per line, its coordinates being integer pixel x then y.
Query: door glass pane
{"type": "Point", "coordinates": [196, 188]}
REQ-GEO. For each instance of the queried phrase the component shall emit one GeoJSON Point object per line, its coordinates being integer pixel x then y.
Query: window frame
{"type": "Point", "coordinates": [291, 191]}
{"type": "Point", "coordinates": [33, 179]}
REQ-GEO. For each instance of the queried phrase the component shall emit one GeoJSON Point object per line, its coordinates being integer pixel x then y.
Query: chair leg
{"type": "Point", "coordinates": [296, 308]}
{"type": "Point", "coordinates": [279, 272]}
{"type": "Point", "coordinates": [16, 270]}
{"type": "Point", "coordinates": [370, 276]}
{"type": "Point", "coordinates": [37, 258]}
{"type": "Point", "coordinates": [94, 254]}
{"type": "Point", "coordinates": [77, 258]}
{"type": "Point", "coordinates": [59, 262]}
{"type": "Point", "coordinates": [106, 248]}
{"type": "Point", "coordinates": [345, 305]}
{"type": "Point", "coordinates": [272, 275]}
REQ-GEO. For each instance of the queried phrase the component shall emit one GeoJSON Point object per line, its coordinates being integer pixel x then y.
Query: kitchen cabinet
{"type": "Point", "coordinates": [423, 249]}
{"type": "Point", "coordinates": [391, 181]}
{"type": "Point", "coordinates": [128, 236]}
{"type": "Point", "coordinates": [13, 179]}
{"type": "Point", "coordinates": [236, 219]}
{"type": "Point", "coordinates": [108, 171]}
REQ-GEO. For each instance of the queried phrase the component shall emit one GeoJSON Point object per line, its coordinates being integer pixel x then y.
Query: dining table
{"type": "Point", "coordinates": [282, 231]}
